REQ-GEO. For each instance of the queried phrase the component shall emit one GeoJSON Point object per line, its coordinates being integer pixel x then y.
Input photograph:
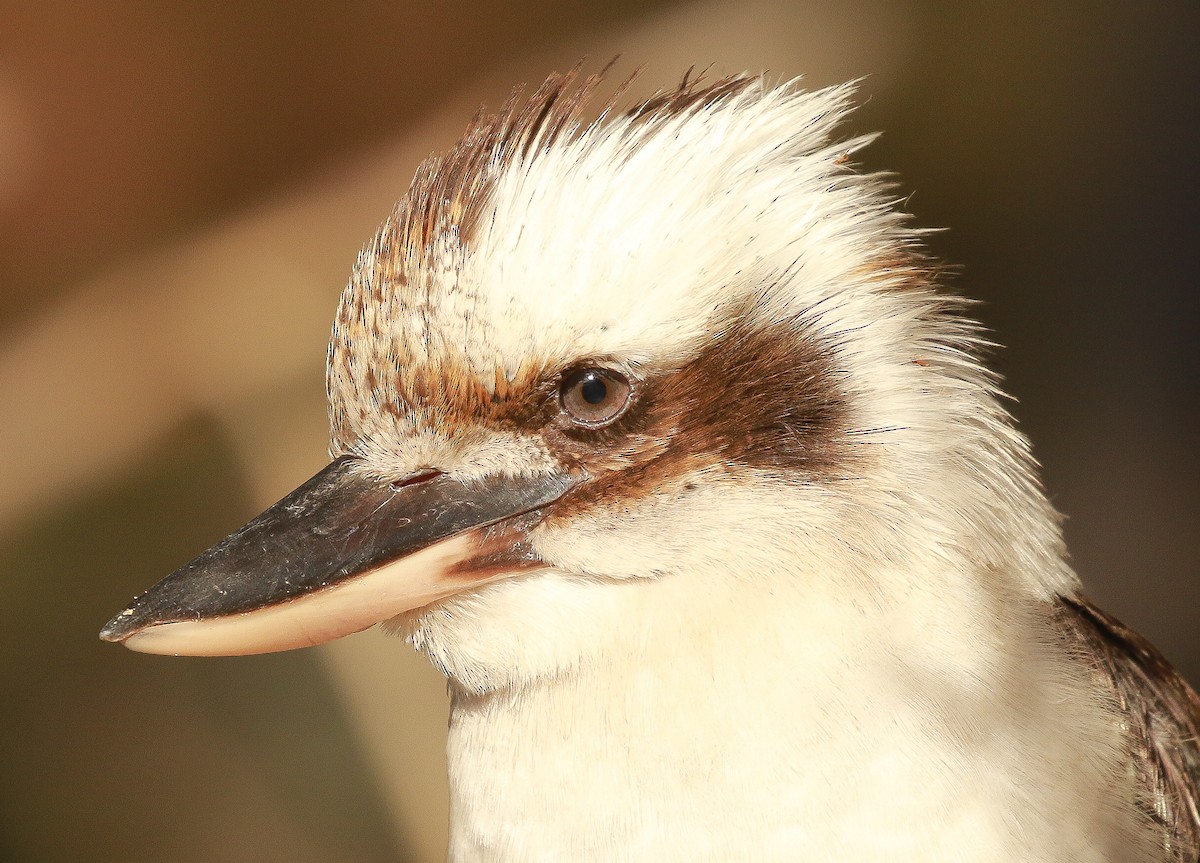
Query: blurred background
{"type": "Point", "coordinates": [183, 190]}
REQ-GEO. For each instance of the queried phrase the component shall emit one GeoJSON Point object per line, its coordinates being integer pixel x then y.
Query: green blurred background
{"type": "Point", "coordinates": [183, 188]}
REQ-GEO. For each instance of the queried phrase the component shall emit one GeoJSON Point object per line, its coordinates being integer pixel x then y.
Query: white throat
{"type": "Point", "coordinates": [875, 721]}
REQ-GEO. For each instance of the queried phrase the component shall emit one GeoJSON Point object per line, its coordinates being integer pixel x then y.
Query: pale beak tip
{"type": "Point", "coordinates": [120, 627]}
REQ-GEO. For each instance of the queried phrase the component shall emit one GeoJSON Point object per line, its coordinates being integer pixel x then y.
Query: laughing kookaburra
{"type": "Point", "coordinates": [656, 435]}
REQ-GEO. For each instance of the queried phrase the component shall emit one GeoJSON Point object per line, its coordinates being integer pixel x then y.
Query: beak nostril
{"type": "Point", "coordinates": [420, 475]}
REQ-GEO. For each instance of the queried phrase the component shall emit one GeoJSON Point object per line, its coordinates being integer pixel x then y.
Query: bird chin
{"type": "Point", "coordinates": [466, 635]}
{"type": "Point", "coordinates": [525, 628]}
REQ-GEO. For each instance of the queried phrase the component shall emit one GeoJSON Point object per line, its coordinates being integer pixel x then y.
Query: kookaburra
{"type": "Point", "coordinates": [656, 434]}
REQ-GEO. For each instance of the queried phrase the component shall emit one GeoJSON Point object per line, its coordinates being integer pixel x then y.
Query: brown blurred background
{"type": "Point", "coordinates": [183, 188]}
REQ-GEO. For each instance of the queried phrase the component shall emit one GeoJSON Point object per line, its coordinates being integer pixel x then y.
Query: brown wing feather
{"type": "Point", "coordinates": [1162, 716]}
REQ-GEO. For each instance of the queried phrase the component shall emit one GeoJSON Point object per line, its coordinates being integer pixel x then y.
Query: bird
{"type": "Point", "coordinates": [656, 430]}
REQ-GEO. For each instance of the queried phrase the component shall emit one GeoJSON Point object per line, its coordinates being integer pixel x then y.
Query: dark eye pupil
{"type": "Point", "coordinates": [594, 397]}
{"type": "Point", "coordinates": [594, 390]}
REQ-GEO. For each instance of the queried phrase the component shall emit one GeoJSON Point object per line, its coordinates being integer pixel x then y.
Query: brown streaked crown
{"type": "Point", "coordinates": [374, 377]}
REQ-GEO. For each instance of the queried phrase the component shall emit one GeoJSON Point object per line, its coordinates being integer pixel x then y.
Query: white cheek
{"type": "Point", "coordinates": [614, 570]}
{"type": "Point", "coordinates": [737, 525]}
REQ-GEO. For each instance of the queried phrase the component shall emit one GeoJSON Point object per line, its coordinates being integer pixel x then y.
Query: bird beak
{"type": "Point", "coordinates": [340, 553]}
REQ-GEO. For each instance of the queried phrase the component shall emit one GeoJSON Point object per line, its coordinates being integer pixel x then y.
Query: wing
{"type": "Point", "coordinates": [1161, 713]}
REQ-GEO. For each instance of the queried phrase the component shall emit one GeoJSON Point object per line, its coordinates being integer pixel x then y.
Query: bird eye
{"type": "Point", "coordinates": [594, 397]}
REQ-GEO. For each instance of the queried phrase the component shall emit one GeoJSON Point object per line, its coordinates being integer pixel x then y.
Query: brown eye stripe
{"type": "Point", "coordinates": [766, 397]}
{"type": "Point", "coordinates": [759, 396]}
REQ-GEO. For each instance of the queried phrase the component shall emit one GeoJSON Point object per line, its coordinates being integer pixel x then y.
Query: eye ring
{"type": "Point", "coordinates": [594, 397]}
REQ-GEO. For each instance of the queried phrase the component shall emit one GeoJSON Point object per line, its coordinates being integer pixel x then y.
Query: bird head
{"type": "Point", "coordinates": [593, 376]}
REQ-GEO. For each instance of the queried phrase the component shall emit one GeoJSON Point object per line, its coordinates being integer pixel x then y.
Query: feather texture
{"type": "Point", "coordinates": [1159, 713]}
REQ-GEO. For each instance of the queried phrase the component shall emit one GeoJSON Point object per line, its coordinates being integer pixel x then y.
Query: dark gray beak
{"type": "Point", "coordinates": [342, 552]}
